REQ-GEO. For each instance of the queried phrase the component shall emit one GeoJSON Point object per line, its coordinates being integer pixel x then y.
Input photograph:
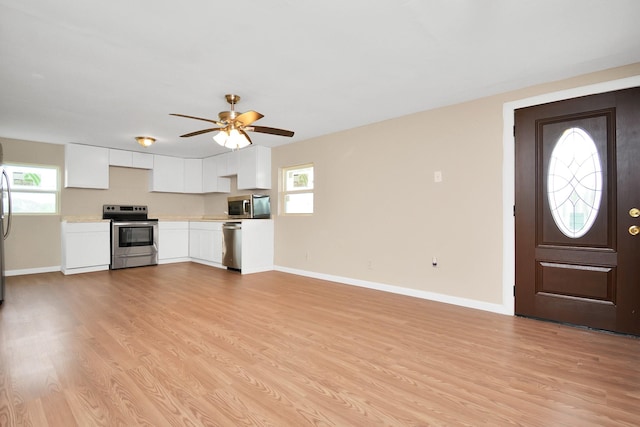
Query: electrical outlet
{"type": "Point", "coordinates": [434, 261]}
{"type": "Point", "coordinates": [437, 176]}
{"type": "Point", "coordinates": [370, 265]}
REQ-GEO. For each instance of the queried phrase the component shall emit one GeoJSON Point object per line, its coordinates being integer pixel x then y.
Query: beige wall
{"type": "Point", "coordinates": [380, 217]}
{"type": "Point", "coordinates": [130, 186]}
{"type": "Point", "coordinates": [34, 240]}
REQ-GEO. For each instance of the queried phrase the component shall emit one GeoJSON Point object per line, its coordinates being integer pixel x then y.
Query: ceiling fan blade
{"type": "Point", "coordinates": [245, 135]}
{"type": "Point", "coordinates": [249, 117]}
{"type": "Point", "coordinates": [272, 131]}
{"type": "Point", "coordinates": [199, 132]}
{"type": "Point", "coordinates": [197, 118]}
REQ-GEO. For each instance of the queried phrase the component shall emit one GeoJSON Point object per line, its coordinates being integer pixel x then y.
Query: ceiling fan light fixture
{"type": "Point", "coordinates": [236, 140]}
{"type": "Point", "coordinates": [233, 139]}
{"type": "Point", "coordinates": [221, 138]}
{"type": "Point", "coordinates": [145, 141]}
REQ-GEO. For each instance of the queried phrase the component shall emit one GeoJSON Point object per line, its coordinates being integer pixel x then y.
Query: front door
{"type": "Point", "coordinates": [577, 213]}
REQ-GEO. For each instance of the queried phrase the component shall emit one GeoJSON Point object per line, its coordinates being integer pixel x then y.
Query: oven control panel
{"type": "Point", "coordinates": [124, 212]}
{"type": "Point", "coordinates": [123, 208]}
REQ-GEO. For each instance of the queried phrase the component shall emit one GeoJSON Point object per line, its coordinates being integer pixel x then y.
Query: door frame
{"type": "Point", "coordinates": [508, 172]}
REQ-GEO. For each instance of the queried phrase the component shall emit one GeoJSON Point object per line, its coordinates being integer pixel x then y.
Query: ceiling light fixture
{"type": "Point", "coordinates": [233, 140]}
{"type": "Point", "coordinates": [145, 141]}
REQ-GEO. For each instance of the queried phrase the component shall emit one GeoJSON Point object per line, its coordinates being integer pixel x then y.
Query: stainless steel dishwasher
{"type": "Point", "coordinates": [232, 245]}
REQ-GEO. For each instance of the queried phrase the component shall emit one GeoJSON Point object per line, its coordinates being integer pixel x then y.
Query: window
{"type": "Point", "coordinates": [296, 196]}
{"type": "Point", "coordinates": [574, 186]}
{"type": "Point", "coordinates": [34, 189]}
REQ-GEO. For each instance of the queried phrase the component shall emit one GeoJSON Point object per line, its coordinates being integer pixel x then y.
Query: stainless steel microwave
{"type": "Point", "coordinates": [255, 206]}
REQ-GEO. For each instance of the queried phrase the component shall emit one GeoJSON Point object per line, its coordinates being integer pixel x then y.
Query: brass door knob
{"type": "Point", "coordinates": [634, 212]}
{"type": "Point", "coordinates": [634, 230]}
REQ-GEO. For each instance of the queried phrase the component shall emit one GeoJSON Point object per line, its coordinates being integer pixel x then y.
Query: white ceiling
{"type": "Point", "coordinates": [103, 72]}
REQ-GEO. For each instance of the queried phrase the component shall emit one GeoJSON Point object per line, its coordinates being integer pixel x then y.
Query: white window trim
{"type": "Point", "coordinates": [283, 192]}
{"type": "Point", "coordinates": [57, 191]}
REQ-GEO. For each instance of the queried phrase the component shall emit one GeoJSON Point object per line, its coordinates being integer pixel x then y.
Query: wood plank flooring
{"type": "Point", "coordinates": [189, 345]}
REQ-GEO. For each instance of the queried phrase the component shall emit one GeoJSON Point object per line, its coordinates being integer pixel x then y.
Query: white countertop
{"type": "Point", "coordinates": [212, 218]}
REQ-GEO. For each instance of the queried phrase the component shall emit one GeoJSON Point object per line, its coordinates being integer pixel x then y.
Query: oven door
{"type": "Point", "coordinates": [134, 243]}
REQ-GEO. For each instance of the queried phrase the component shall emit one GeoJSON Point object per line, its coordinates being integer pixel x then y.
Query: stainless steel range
{"type": "Point", "coordinates": [134, 236]}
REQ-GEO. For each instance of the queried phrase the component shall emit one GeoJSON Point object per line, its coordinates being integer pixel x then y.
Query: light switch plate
{"type": "Point", "coordinates": [437, 176]}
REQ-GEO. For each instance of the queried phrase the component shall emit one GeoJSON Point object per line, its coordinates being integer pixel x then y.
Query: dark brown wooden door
{"type": "Point", "coordinates": [577, 188]}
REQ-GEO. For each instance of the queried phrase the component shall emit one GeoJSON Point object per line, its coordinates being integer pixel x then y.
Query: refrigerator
{"type": "Point", "coordinates": [5, 218]}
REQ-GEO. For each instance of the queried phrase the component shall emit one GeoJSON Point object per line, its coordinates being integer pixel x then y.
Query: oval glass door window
{"type": "Point", "coordinates": [574, 183]}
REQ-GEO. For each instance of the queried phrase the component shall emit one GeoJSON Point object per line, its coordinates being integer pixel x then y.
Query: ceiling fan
{"type": "Point", "coordinates": [233, 126]}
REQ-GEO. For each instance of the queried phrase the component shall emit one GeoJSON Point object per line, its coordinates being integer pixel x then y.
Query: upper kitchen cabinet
{"type": "Point", "coordinates": [193, 175]}
{"type": "Point", "coordinates": [212, 181]}
{"type": "Point", "coordinates": [227, 163]}
{"type": "Point", "coordinates": [130, 159]}
{"type": "Point", "coordinates": [141, 160]}
{"type": "Point", "coordinates": [167, 174]}
{"type": "Point", "coordinates": [86, 166]}
{"type": "Point", "coordinates": [254, 168]}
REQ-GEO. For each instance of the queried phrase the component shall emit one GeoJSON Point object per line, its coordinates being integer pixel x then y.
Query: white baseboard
{"type": "Point", "coordinates": [432, 296]}
{"type": "Point", "coordinates": [209, 263]}
{"type": "Point", "coordinates": [174, 260]}
{"type": "Point", "coordinates": [69, 271]}
{"type": "Point", "coordinates": [32, 271]}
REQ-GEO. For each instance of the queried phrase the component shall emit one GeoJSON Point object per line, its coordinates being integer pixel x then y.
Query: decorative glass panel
{"type": "Point", "coordinates": [574, 184]}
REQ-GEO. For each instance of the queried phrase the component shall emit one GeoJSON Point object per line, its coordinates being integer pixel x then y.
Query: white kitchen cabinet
{"type": "Point", "coordinates": [205, 242]}
{"type": "Point", "coordinates": [193, 175]}
{"type": "Point", "coordinates": [212, 182]}
{"type": "Point", "coordinates": [120, 158]}
{"type": "Point", "coordinates": [254, 168]}
{"type": "Point", "coordinates": [86, 166]}
{"type": "Point", "coordinates": [167, 174]}
{"type": "Point", "coordinates": [227, 163]}
{"type": "Point", "coordinates": [209, 175]}
{"type": "Point", "coordinates": [86, 246]}
{"type": "Point", "coordinates": [141, 160]}
{"type": "Point", "coordinates": [130, 159]}
{"type": "Point", "coordinates": [224, 185]}
{"type": "Point", "coordinates": [257, 245]}
{"type": "Point", "coordinates": [173, 241]}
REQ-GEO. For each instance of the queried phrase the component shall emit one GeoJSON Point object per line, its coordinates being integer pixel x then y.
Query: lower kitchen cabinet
{"type": "Point", "coordinates": [86, 246]}
{"type": "Point", "coordinates": [173, 241]}
{"type": "Point", "coordinates": [205, 242]}
{"type": "Point", "coordinates": [257, 245]}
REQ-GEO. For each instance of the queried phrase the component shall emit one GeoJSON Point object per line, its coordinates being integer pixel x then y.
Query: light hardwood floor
{"type": "Point", "coordinates": [186, 344]}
